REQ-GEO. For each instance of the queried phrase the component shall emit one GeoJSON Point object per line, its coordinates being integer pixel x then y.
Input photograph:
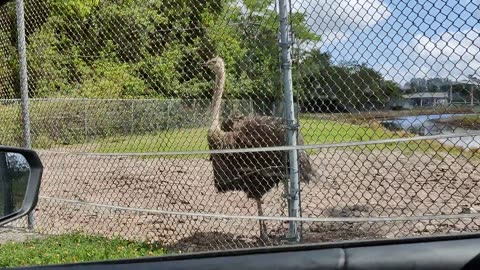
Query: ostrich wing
{"type": "Point", "coordinates": [273, 133]}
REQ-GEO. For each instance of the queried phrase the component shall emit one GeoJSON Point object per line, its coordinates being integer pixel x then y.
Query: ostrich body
{"type": "Point", "coordinates": [253, 173]}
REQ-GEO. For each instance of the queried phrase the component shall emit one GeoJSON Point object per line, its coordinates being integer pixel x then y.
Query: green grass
{"type": "Point", "coordinates": [171, 140]}
{"type": "Point", "coordinates": [72, 248]}
{"type": "Point", "coordinates": [314, 131]}
{"type": "Point", "coordinates": [318, 131]}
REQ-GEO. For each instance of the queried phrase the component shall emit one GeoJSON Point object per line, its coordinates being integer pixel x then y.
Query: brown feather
{"type": "Point", "coordinates": [254, 173]}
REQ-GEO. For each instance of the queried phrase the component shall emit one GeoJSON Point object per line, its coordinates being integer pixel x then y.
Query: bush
{"type": "Point", "coordinates": [70, 121]}
{"type": "Point", "coordinates": [10, 123]}
{"type": "Point", "coordinates": [80, 120]}
{"type": "Point", "coordinates": [56, 121]}
{"type": "Point", "coordinates": [51, 73]}
{"type": "Point", "coordinates": [108, 79]}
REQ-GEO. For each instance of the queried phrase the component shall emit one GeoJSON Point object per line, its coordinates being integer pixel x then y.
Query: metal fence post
{"type": "Point", "coordinates": [22, 56]}
{"type": "Point", "coordinates": [132, 116]}
{"type": "Point", "coordinates": [294, 210]}
{"type": "Point", "coordinates": [85, 119]}
{"type": "Point", "coordinates": [471, 95]}
{"type": "Point", "coordinates": [251, 109]}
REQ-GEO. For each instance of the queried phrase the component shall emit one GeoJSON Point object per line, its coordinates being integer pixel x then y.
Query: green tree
{"type": "Point", "coordinates": [139, 48]}
{"type": "Point", "coordinates": [248, 38]}
{"type": "Point", "coordinates": [350, 85]}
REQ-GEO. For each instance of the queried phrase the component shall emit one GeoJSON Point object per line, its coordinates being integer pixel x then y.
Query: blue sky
{"type": "Point", "coordinates": [400, 38]}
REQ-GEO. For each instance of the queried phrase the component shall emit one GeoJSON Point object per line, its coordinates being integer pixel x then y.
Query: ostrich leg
{"type": "Point", "coordinates": [263, 228]}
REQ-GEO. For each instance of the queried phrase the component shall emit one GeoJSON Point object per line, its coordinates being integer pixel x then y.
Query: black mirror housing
{"type": "Point", "coordinates": [28, 196]}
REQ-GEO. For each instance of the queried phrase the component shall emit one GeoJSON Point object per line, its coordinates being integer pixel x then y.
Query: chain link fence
{"type": "Point", "coordinates": [122, 105]}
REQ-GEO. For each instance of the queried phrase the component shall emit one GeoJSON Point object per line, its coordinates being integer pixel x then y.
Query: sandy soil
{"type": "Point", "coordinates": [350, 184]}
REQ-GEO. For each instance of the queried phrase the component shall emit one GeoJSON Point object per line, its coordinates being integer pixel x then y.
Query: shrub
{"type": "Point", "coordinates": [70, 121]}
{"type": "Point", "coordinates": [108, 79]}
{"type": "Point", "coordinates": [10, 123]}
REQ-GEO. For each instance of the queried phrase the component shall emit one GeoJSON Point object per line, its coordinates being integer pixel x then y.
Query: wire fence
{"type": "Point", "coordinates": [129, 100]}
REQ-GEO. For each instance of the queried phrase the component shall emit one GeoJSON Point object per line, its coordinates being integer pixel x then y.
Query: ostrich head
{"type": "Point", "coordinates": [216, 64]}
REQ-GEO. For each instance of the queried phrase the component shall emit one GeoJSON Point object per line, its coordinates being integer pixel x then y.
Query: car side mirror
{"type": "Point", "coordinates": [20, 176]}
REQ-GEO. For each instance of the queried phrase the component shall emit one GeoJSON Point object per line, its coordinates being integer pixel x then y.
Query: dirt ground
{"type": "Point", "coordinates": [350, 184]}
{"type": "Point", "coordinates": [10, 234]}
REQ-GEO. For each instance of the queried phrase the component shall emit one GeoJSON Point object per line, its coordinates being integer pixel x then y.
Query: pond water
{"type": "Point", "coordinates": [427, 125]}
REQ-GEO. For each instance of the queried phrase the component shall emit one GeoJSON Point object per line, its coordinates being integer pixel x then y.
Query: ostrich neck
{"type": "Point", "coordinates": [217, 99]}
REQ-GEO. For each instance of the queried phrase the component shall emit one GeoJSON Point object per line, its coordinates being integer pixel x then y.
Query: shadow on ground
{"type": "Point", "coordinates": [315, 233]}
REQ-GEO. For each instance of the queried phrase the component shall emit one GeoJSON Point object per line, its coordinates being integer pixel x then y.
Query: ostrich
{"type": "Point", "coordinates": [254, 173]}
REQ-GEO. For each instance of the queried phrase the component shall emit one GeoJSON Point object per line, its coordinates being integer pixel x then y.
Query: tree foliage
{"type": "Point", "coordinates": [348, 85]}
{"type": "Point", "coordinates": [138, 48]}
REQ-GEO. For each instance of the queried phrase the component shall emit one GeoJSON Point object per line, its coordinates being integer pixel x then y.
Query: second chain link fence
{"type": "Point", "coordinates": [110, 80]}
